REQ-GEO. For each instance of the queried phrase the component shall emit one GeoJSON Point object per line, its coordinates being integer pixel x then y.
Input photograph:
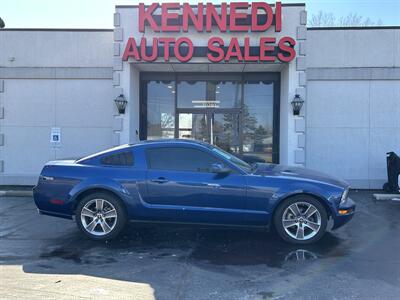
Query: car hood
{"type": "Point", "coordinates": [297, 172]}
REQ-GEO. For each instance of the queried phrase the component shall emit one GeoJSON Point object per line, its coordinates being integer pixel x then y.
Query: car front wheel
{"type": "Point", "coordinates": [100, 216]}
{"type": "Point", "coordinates": [301, 220]}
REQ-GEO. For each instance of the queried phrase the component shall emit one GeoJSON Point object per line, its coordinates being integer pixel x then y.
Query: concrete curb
{"type": "Point", "coordinates": [385, 197]}
{"type": "Point", "coordinates": [16, 193]}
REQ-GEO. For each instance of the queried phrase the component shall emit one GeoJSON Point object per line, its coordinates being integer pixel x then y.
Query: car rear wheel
{"type": "Point", "coordinates": [100, 216]}
{"type": "Point", "coordinates": [301, 220]}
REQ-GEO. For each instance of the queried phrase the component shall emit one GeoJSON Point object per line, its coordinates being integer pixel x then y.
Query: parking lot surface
{"type": "Point", "coordinates": [47, 258]}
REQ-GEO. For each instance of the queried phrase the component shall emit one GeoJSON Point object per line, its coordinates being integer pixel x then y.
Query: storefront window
{"type": "Point", "coordinates": [228, 93]}
{"type": "Point", "coordinates": [160, 109]}
{"type": "Point", "coordinates": [192, 94]}
{"type": "Point", "coordinates": [208, 94]}
{"type": "Point", "coordinates": [236, 112]}
{"type": "Point", "coordinates": [258, 112]}
{"type": "Point", "coordinates": [225, 131]}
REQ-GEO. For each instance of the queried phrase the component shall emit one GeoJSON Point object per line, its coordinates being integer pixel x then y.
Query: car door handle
{"type": "Point", "coordinates": [215, 185]}
{"type": "Point", "coordinates": [160, 180]}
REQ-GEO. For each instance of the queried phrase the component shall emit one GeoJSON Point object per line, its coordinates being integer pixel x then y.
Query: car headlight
{"type": "Point", "coordinates": [344, 196]}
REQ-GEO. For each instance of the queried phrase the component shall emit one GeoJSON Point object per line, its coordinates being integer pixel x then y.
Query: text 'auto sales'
{"type": "Point", "coordinates": [237, 17]}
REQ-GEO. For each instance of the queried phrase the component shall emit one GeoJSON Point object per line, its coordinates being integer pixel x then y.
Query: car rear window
{"type": "Point", "coordinates": [118, 159]}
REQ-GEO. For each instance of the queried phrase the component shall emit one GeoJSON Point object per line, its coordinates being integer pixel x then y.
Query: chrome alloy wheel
{"type": "Point", "coordinates": [301, 221]}
{"type": "Point", "coordinates": [98, 217]}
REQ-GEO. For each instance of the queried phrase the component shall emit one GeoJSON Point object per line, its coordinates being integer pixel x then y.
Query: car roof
{"type": "Point", "coordinates": [143, 143]}
{"type": "Point", "coordinates": [169, 141]}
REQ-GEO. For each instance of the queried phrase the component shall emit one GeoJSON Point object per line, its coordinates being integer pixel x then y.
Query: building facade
{"type": "Point", "coordinates": [223, 74]}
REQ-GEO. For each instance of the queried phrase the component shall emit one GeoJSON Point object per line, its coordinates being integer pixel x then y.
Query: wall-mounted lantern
{"type": "Point", "coordinates": [297, 104]}
{"type": "Point", "coordinates": [121, 103]}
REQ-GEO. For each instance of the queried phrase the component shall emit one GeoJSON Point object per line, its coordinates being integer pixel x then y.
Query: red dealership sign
{"type": "Point", "coordinates": [208, 18]}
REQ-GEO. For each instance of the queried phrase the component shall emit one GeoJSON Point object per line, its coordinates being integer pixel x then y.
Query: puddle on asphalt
{"type": "Point", "coordinates": [212, 246]}
{"type": "Point", "coordinates": [266, 295]}
{"type": "Point", "coordinates": [252, 248]}
{"type": "Point", "coordinates": [77, 255]}
{"type": "Point", "coordinates": [81, 254]}
{"type": "Point", "coordinates": [67, 254]}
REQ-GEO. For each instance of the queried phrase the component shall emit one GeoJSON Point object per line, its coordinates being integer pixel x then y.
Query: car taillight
{"type": "Point", "coordinates": [46, 178]}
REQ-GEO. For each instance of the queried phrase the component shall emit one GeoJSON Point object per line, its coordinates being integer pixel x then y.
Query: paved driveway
{"type": "Point", "coordinates": [44, 257]}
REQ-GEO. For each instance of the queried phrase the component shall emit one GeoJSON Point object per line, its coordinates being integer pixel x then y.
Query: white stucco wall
{"type": "Point", "coordinates": [353, 103]}
{"type": "Point", "coordinates": [53, 79]}
{"type": "Point", "coordinates": [69, 48]}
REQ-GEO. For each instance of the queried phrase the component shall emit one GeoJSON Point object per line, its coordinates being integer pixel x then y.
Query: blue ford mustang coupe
{"type": "Point", "coordinates": [182, 181]}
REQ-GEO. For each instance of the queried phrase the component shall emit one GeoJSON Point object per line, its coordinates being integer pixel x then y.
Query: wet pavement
{"type": "Point", "coordinates": [47, 258]}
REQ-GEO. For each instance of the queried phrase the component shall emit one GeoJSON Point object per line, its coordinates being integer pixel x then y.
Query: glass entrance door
{"type": "Point", "coordinates": [220, 129]}
{"type": "Point", "coordinates": [193, 126]}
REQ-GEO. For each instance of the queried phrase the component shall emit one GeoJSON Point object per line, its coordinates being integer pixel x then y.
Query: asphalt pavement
{"type": "Point", "coordinates": [43, 257]}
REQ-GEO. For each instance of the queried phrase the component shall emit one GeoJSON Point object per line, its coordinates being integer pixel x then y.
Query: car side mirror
{"type": "Point", "coordinates": [219, 169]}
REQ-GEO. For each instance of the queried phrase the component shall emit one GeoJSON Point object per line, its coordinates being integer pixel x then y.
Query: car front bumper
{"type": "Point", "coordinates": [344, 213]}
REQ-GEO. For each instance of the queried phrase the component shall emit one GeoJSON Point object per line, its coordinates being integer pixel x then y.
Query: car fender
{"type": "Point", "coordinates": [103, 183]}
{"type": "Point", "coordinates": [326, 194]}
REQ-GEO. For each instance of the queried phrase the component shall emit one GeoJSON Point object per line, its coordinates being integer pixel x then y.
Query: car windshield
{"type": "Point", "coordinates": [233, 159]}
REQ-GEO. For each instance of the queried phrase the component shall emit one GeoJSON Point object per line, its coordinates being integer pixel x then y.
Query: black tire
{"type": "Point", "coordinates": [120, 220]}
{"type": "Point", "coordinates": [278, 222]}
{"type": "Point", "coordinates": [386, 187]}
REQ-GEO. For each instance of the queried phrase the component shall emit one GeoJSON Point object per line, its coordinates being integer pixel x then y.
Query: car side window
{"type": "Point", "coordinates": [180, 159]}
{"type": "Point", "coordinates": [118, 159]}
